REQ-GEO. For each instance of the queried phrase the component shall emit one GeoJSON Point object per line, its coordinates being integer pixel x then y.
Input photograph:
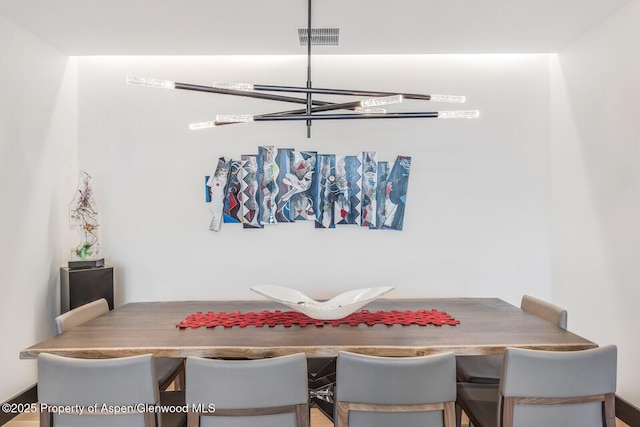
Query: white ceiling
{"type": "Point", "coordinates": [193, 27]}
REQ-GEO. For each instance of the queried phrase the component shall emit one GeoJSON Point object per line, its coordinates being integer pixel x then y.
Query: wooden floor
{"type": "Point", "coordinates": [317, 420]}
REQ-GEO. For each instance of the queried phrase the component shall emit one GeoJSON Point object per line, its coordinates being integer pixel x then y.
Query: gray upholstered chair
{"type": "Point", "coordinates": [80, 315]}
{"type": "Point", "coordinates": [546, 388]}
{"type": "Point", "coordinates": [486, 369]}
{"type": "Point", "coordinates": [248, 393]}
{"type": "Point", "coordinates": [91, 391]}
{"type": "Point", "coordinates": [169, 370]}
{"type": "Point", "coordinates": [376, 391]}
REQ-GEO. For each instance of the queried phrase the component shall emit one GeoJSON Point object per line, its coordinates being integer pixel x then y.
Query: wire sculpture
{"type": "Point", "coordinates": [83, 217]}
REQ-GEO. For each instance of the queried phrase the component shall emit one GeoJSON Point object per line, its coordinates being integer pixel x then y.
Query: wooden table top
{"type": "Point", "coordinates": [487, 326]}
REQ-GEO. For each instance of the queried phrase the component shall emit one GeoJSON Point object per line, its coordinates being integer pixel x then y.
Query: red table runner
{"type": "Point", "coordinates": [290, 318]}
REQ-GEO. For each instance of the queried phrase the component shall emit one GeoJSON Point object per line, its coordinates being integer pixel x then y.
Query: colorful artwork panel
{"type": "Point", "coordinates": [341, 205]}
{"type": "Point", "coordinates": [218, 184]}
{"type": "Point", "coordinates": [348, 190]}
{"type": "Point", "coordinates": [249, 192]}
{"type": "Point", "coordinates": [369, 188]}
{"type": "Point", "coordinates": [268, 172]}
{"type": "Point", "coordinates": [396, 193]}
{"type": "Point", "coordinates": [232, 205]}
{"type": "Point", "coordinates": [207, 189]}
{"type": "Point", "coordinates": [285, 185]}
{"type": "Point", "coordinates": [325, 190]}
{"type": "Point", "coordinates": [354, 184]}
{"type": "Point", "coordinates": [302, 192]}
{"type": "Point", "coordinates": [381, 194]}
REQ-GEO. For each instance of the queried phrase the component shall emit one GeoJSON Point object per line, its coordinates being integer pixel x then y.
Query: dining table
{"type": "Point", "coordinates": [176, 329]}
{"type": "Point", "coordinates": [486, 326]}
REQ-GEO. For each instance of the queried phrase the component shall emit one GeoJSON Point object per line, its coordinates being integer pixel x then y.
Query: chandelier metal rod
{"type": "Point", "coordinates": [261, 95]}
{"type": "Point", "coordinates": [309, 101]}
{"type": "Point", "coordinates": [328, 107]}
{"type": "Point", "coordinates": [291, 99]}
{"type": "Point", "coordinates": [319, 109]}
{"type": "Point", "coordinates": [265, 118]}
{"type": "Point", "coordinates": [248, 94]}
{"type": "Point", "coordinates": [321, 105]}
{"type": "Point", "coordinates": [224, 120]}
{"type": "Point", "coordinates": [345, 92]}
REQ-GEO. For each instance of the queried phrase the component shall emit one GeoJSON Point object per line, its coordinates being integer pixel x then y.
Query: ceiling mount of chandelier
{"type": "Point", "coordinates": [367, 106]}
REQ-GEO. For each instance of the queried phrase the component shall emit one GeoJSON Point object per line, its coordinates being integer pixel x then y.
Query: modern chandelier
{"type": "Point", "coordinates": [367, 105]}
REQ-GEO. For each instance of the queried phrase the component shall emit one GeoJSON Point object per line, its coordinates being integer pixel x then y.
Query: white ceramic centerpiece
{"type": "Point", "coordinates": [337, 307]}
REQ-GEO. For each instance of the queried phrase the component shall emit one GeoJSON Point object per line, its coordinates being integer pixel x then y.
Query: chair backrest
{"type": "Point", "coordinates": [266, 392]}
{"type": "Point", "coordinates": [80, 315]}
{"type": "Point", "coordinates": [376, 391]}
{"type": "Point", "coordinates": [563, 388]}
{"type": "Point", "coordinates": [545, 310]}
{"type": "Point", "coordinates": [92, 391]}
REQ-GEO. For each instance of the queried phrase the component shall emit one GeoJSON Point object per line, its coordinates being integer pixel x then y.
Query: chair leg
{"type": "Point", "coordinates": [150, 419]}
{"type": "Point", "coordinates": [46, 419]}
{"type": "Point", "coordinates": [343, 415]}
{"type": "Point", "coordinates": [458, 415]}
{"type": "Point", "coordinates": [193, 419]}
{"type": "Point", "coordinates": [302, 415]}
{"type": "Point", "coordinates": [450, 415]}
{"type": "Point", "coordinates": [609, 410]}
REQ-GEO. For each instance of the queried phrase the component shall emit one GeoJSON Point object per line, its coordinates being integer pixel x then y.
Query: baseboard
{"type": "Point", "coordinates": [29, 395]}
{"type": "Point", "coordinates": [627, 412]}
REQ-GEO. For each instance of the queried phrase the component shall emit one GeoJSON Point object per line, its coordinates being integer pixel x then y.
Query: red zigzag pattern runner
{"type": "Point", "coordinates": [290, 318]}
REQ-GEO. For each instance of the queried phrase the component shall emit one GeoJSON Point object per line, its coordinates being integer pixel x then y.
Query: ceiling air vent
{"type": "Point", "coordinates": [319, 36]}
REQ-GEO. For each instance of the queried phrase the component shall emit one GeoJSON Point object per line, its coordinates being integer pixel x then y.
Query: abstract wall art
{"type": "Point", "coordinates": [369, 188]}
{"type": "Point", "coordinates": [249, 191]}
{"type": "Point", "coordinates": [301, 190]}
{"type": "Point", "coordinates": [217, 187]}
{"type": "Point", "coordinates": [284, 185]}
{"type": "Point", "coordinates": [232, 207]}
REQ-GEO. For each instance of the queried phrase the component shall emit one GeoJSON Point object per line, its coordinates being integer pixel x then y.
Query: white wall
{"type": "Point", "coordinates": [477, 220]}
{"type": "Point", "coordinates": [479, 211]}
{"type": "Point", "coordinates": [37, 157]}
{"type": "Point", "coordinates": [596, 188]}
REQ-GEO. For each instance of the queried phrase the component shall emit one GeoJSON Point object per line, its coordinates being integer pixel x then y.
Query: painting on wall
{"type": "Point", "coordinates": [285, 185]}
{"type": "Point", "coordinates": [369, 188]}
{"type": "Point", "coordinates": [396, 193]}
{"type": "Point", "coordinates": [381, 185]}
{"type": "Point", "coordinates": [325, 190]}
{"type": "Point", "coordinates": [232, 207]}
{"type": "Point", "coordinates": [268, 172]}
{"type": "Point", "coordinates": [348, 190]}
{"type": "Point", "coordinates": [283, 199]}
{"type": "Point", "coordinates": [249, 192]}
{"type": "Point", "coordinates": [217, 186]}
{"type": "Point", "coordinates": [301, 192]}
